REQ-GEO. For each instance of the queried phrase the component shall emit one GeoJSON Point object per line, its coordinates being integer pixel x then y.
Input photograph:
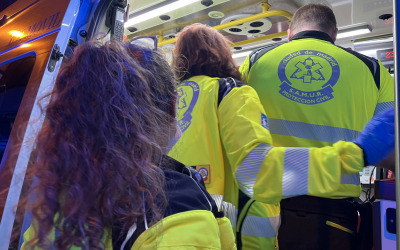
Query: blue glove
{"type": "Point", "coordinates": [377, 138]}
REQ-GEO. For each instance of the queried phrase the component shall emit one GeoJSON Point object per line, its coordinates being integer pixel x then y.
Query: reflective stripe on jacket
{"type": "Point", "coordinates": [225, 134]}
{"type": "Point", "coordinates": [314, 94]}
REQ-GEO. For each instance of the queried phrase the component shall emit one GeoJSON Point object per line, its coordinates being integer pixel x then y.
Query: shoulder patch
{"type": "Point", "coordinates": [264, 121]}
{"type": "Point", "coordinates": [226, 85]}
{"type": "Point", "coordinates": [204, 171]}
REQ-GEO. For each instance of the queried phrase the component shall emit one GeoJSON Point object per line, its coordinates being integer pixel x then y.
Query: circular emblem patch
{"type": "Point", "coordinates": [308, 76]}
{"type": "Point", "coordinates": [188, 94]}
{"type": "Point", "coordinates": [204, 173]}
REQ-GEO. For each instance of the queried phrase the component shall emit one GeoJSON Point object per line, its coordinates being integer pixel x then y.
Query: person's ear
{"type": "Point", "coordinates": [290, 34]}
{"type": "Point", "coordinates": [334, 34]}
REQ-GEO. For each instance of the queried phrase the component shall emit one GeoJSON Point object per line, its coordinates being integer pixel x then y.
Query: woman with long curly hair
{"type": "Point", "coordinates": [225, 134]}
{"type": "Point", "coordinates": [104, 181]}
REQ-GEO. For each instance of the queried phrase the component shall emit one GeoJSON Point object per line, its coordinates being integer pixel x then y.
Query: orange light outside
{"type": "Point", "coordinates": [25, 45]}
{"type": "Point", "coordinates": [16, 33]}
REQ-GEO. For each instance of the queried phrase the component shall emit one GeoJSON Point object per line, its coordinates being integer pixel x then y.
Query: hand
{"type": "Point", "coordinates": [377, 138]}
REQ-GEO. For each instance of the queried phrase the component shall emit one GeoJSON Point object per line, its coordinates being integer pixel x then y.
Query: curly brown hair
{"type": "Point", "coordinates": [202, 50]}
{"type": "Point", "coordinates": [105, 131]}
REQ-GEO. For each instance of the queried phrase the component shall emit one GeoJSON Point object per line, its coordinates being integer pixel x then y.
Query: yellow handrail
{"type": "Point", "coordinates": [265, 13]}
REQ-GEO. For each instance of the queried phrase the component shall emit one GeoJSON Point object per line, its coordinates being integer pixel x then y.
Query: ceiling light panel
{"type": "Point", "coordinates": [353, 31]}
{"type": "Point", "coordinates": [374, 40]}
{"type": "Point", "coordinates": [147, 19]}
{"type": "Point", "coordinates": [139, 5]}
{"type": "Point", "coordinates": [241, 54]}
{"type": "Point", "coordinates": [159, 11]}
{"type": "Point", "coordinates": [254, 47]}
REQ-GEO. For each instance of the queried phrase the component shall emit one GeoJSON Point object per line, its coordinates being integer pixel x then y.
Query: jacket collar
{"type": "Point", "coordinates": [170, 163]}
{"type": "Point", "coordinates": [312, 34]}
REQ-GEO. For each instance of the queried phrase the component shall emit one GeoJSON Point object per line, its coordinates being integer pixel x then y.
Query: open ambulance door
{"type": "Point", "coordinates": [35, 37]}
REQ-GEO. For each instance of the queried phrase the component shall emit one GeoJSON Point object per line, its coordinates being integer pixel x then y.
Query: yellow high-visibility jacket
{"type": "Point", "coordinates": [189, 222]}
{"type": "Point", "coordinates": [197, 230]}
{"type": "Point", "coordinates": [316, 93]}
{"type": "Point", "coordinates": [225, 134]}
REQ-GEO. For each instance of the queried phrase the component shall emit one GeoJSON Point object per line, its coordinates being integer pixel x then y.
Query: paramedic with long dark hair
{"type": "Point", "coordinates": [103, 179]}
{"type": "Point", "coordinates": [225, 134]}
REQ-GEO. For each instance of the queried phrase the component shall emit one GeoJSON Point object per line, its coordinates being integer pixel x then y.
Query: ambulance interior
{"type": "Point", "coordinates": [365, 26]}
{"type": "Point", "coordinates": [359, 23]}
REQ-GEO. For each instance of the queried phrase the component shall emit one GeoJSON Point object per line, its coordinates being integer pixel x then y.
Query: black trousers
{"type": "Point", "coordinates": [312, 223]}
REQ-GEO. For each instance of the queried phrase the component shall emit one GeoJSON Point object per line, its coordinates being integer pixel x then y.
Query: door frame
{"type": "Point", "coordinates": [34, 126]}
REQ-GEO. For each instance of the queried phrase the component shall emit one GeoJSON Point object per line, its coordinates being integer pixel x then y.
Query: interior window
{"type": "Point", "coordinates": [5, 3]}
{"type": "Point", "coordinates": [14, 78]}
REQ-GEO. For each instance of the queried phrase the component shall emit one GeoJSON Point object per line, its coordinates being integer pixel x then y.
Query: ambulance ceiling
{"type": "Point", "coordinates": [348, 12]}
{"type": "Point", "coordinates": [197, 12]}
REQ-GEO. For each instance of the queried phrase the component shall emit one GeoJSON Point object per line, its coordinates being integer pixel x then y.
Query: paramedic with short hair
{"type": "Point", "coordinates": [316, 93]}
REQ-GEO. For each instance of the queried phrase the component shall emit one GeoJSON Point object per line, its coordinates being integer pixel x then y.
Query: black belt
{"type": "Point", "coordinates": [342, 208]}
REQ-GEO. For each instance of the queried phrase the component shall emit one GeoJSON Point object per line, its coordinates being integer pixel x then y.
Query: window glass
{"type": "Point", "coordinates": [14, 78]}
{"type": "Point", "coordinates": [5, 3]}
